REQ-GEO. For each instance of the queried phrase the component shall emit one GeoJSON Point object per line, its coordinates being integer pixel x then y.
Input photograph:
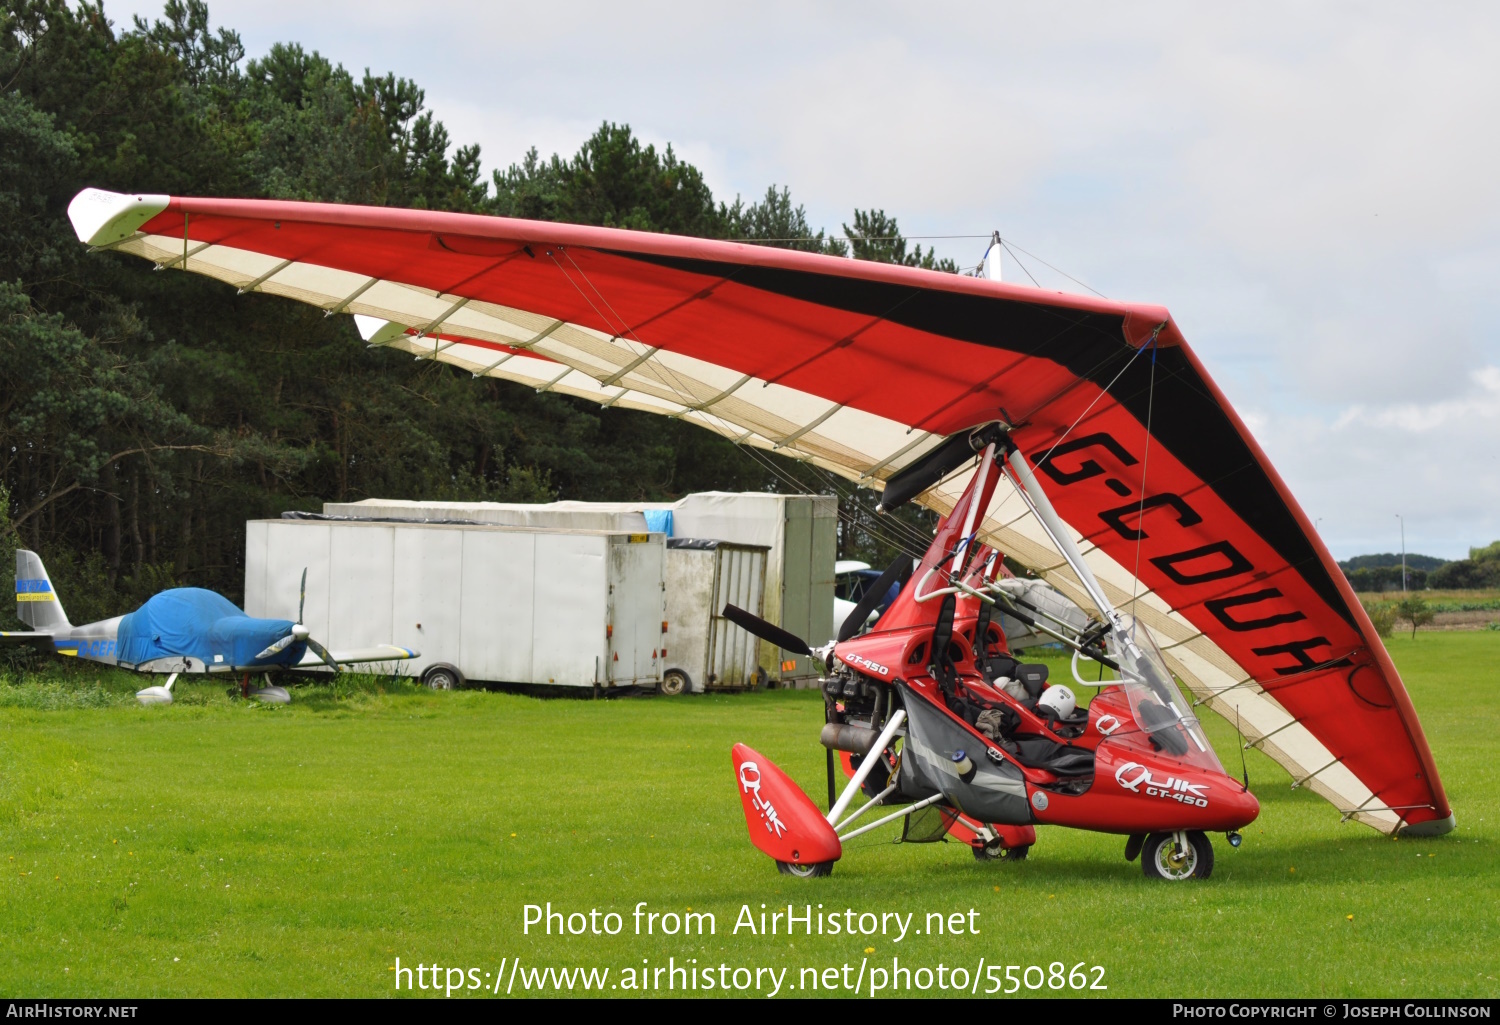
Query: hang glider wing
{"type": "Point", "coordinates": [862, 369]}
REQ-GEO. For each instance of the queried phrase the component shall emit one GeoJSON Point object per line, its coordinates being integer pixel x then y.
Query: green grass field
{"type": "Point", "coordinates": [215, 848]}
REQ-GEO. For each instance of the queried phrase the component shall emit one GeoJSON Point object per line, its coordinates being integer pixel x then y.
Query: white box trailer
{"type": "Point", "coordinates": [502, 605]}
{"type": "Point", "coordinates": [708, 652]}
{"type": "Point", "coordinates": [800, 531]}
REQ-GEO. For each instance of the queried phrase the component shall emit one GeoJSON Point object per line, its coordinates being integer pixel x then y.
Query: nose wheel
{"type": "Point", "coordinates": [1177, 856]}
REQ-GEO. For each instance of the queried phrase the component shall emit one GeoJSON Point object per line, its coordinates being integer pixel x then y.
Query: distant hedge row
{"type": "Point", "coordinates": [1480, 571]}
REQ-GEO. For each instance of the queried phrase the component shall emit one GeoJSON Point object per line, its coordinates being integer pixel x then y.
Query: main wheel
{"type": "Point", "coordinates": [993, 851]}
{"type": "Point", "coordinates": [1163, 858]}
{"type": "Point", "coordinates": [674, 682]}
{"type": "Point", "coordinates": [443, 677]}
{"type": "Point", "coordinates": [813, 871]}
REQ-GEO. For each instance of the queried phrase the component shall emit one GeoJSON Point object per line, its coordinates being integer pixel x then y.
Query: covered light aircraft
{"type": "Point", "coordinates": [1167, 513]}
{"type": "Point", "coordinates": [181, 630]}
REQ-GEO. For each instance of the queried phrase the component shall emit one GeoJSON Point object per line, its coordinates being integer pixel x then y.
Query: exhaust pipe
{"type": "Point", "coordinates": [856, 740]}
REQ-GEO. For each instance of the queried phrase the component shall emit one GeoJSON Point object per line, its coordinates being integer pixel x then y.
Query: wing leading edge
{"type": "Point", "coordinates": [354, 656]}
{"type": "Point", "coordinates": [861, 369]}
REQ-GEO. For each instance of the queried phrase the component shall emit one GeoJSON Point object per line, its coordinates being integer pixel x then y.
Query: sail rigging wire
{"type": "Point", "coordinates": [1102, 392]}
{"type": "Point", "coordinates": [1008, 243]}
{"type": "Point", "coordinates": [1059, 270]}
{"type": "Point", "coordinates": [1006, 246]}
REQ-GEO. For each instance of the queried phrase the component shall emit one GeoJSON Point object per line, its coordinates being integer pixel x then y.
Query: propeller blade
{"type": "Point", "coordinates": [276, 647]}
{"type": "Point", "coordinates": [303, 599]}
{"type": "Point", "coordinates": [322, 652]}
{"type": "Point", "coordinates": [898, 570]}
{"type": "Point", "coordinates": [298, 633]}
{"type": "Point", "coordinates": [766, 631]}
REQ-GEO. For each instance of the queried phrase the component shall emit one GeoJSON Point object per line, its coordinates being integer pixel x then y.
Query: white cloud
{"type": "Point", "coordinates": [1463, 413]}
{"type": "Point", "coordinates": [1437, 464]}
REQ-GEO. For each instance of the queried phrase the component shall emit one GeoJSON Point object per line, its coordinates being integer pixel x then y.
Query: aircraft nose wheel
{"type": "Point", "coordinates": [813, 871]}
{"type": "Point", "coordinates": [1177, 856]}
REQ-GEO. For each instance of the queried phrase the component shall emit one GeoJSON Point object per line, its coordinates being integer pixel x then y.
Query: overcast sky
{"type": "Point", "coordinates": [1310, 188]}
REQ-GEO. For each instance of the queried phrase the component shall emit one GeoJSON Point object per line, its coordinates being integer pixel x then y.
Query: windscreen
{"type": "Point", "coordinates": [1155, 700]}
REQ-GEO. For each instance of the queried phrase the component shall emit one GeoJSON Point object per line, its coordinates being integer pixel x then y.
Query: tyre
{"type": "Point", "coordinates": [814, 871]}
{"type": "Point", "coordinates": [1162, 859]}
{"type": "Point", "coordinates": [993, 851]}
{"type": "Point", "coordinates": [674, 682]}
{"type": "Point", "coordinates": [442, 676]}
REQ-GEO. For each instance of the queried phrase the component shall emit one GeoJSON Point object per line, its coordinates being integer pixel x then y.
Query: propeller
{"type": "Point", "coordinates": [898, 570]}
{"type": "Point", "coordinates": [300, 633]}
{"type": "Point", "coordinates": [766, 631]}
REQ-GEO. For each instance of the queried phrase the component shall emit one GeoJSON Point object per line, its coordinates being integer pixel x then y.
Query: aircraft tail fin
{"type": "Point", "coordinates": [37, 604]}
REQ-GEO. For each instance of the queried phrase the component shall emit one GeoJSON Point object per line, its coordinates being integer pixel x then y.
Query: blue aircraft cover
{"type": "Point", "coordinates": [193, 621]}
{"type": "Point", "coordinates": [659, 521]}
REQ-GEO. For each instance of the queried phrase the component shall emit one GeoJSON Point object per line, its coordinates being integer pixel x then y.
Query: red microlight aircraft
{"type": "Point", "coordinates": [988, 750]}
{"type": "Point", "coordinates": [1160, 511]}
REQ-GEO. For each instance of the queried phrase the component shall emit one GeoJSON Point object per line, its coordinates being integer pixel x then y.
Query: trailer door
{"type": "Point", "coordinates": [739, 579]}
{"type": "Point", "coordinates": [637, 609]}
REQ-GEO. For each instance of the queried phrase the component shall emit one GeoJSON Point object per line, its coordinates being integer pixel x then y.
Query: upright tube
{"type": "Point", "coordinates": [1040, 504]}
{"type": "Point", "coordinates": [869, 763]}
{"type": "Point", "coordinates": [986, 462]}
{"type": "Point", "coordinates": [1058, 531]}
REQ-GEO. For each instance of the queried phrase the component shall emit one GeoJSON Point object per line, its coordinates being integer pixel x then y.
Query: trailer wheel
{"type": "Point", "coordinates": [814, 871]}
{"type": "Point", "coordinates": [1161, 858]}
{"type": "Point", "coordinates": [993, 851]}
{"type": "Point", "coordinates": [674, 682]}
{"type": "Point", "coordinates": [442, 676]}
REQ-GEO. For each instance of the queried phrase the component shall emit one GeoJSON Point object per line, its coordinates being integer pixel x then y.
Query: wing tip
{"type": "Point", "coordinates": [101, 218]}
{"type": "Point", "coordinates": [1431, 827]}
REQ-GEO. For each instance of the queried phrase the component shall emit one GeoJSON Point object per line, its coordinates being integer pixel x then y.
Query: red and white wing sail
{"type": "Point", "coordinates": [860, 368]}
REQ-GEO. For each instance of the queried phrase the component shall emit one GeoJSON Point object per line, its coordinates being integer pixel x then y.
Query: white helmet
{"type": "Point", "coordinates": [1057, 700]}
